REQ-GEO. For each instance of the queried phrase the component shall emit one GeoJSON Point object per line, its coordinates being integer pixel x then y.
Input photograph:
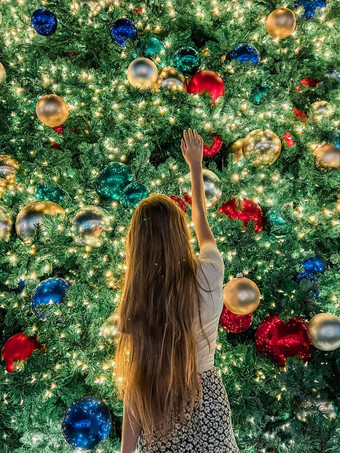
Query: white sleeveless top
{"type": "Point", "coordinates": [212, 265]}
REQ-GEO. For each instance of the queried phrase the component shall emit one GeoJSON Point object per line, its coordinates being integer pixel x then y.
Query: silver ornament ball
{"type": "Point", "coordinates": [212, 188]}
{"type": "Point", "coordinates": [324, 331]}
{"type": "Point", "coordinates": [90, 226]}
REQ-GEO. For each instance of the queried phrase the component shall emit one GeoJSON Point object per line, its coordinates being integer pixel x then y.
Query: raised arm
{"type": "Point", "coordinates": [192, 150]}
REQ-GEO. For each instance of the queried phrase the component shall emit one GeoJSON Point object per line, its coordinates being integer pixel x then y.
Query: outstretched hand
{"type": "Point", "coordinates": [192, 147]}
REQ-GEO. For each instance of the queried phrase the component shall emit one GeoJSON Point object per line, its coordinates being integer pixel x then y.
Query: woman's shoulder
{"type": "Point", "coordinates": [211, 264]}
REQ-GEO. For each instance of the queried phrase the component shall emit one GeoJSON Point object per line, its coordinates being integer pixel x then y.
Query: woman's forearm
{"type": "Point", "coordinates": [197, 190]}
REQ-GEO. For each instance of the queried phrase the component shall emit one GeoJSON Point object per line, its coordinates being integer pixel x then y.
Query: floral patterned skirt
{"type": "Point", "coordinates": [208, 430]}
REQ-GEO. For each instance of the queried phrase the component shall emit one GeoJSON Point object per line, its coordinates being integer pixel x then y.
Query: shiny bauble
{"type": "Point", "coordinates": [49, 193]}
{"type": "Point", "coordinates": [86, 422]}
{"type": "Point", "coordinates": [241, 296]}
{"type": "Point", "coordinates": [142, 73]}
{"type": "Point", "coordinates": [314, 265]}
{"type": "Point", "coordinates": [48, 293]}
{"type": "Point", "coordinates": [212, 188]}
{"type": "Point", "coordinates": [110, 328]}
{"type": "Point", "coordinates": [321, 110]}
{"type": "Point", "coordinates": [308, 284]}
{"type": "Point", "coordinates": [278, 225]}
{"type": "Point", "coordinates": [235, 323]}
{"type": "Point", "coordinates": [18, 348]}
{"type": "Point", "coordinates": [214, 148]}
{"type": "Point", "coordinates": [8, 170]}
{"type": "Point", "coordinates": [245, 53]}
{"type": "Point", "coordinates": [169, 78]}
{"type": "Point", "coordinates": [206, 80]}
{"type": "Point", "coordinates": [52, 110]}
{"type": "Point", "coordinates": [281, 23]}
{"type": "Point", "coordinates": [122, 31]}
{"type": "Point", "coordinates": [310, 7]}
{"type": "Point", "coordinates": [324, 331]}
{"type": "Point", "coordinates": [243, 209]}
{"type": "Point", "coordinates": [132, 194]}
{"type": "Point", "coordinates": [261, 147]}
{"type": "Point", "coordinates": [113, 179]}
{"type": "Point", "coordinates": [236, 149]}
{"type": "Point", "coordinates": [154, 49]}
{"type": "Point", "coordinates": [186, 60]}
{"type": "Point", "coordinates": [5, 225]}
{"type": "Point", "coordinates": [44, 22]}
{"type": "Point", "coordinates": [33, 214]}
{"type": "Point", "coordinates": [90, 226]}
{"type": "Point", "coordinates": [3, 74]}
{"type": "Point", "coordinates": [327, 156]}
{"type": "Point", "coordinates": [310, 408]}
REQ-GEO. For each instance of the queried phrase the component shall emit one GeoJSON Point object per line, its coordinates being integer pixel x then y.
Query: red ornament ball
{"type": "Point", "coordinates": [59, 129]}
{"type": "Point", "coordinates": [281, 340]}
{"type": "Point", "coordinates": [206, 80]}
{"type": "Point", "coordinates": [18, 347]}
{"type": "Point", "coordinates": [300, 115]}
{"type": "Point", "coordinates": [214, 148]}
{"type": "Point", "coordinates": [245, 210]}
{"type": "Point", "coordinates": [180, 202]}
{"type": "Point", "coordinates": [235, 323]}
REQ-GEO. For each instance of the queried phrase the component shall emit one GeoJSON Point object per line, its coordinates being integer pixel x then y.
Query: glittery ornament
{"type": "Point", "coordinates": [132, 194]}
{"type": "Point", "coordinates": [49, 193]}
{"type": "Point", "coordinates": [261, 147]}
{"type": "Point", "coordinates": [109, 329]}
{"type": "Point", "coordinates": [44, 22]}
{"type": "Point", "coordinates": [327, 156]}
{"type": "Point", "coordinates": [18, 348]}
{"type": "Point", "coordinates": [309, 6]}
{"type": "Point", "coordinates": [48, 293]}
{"type": "Point", "coordinates": [33, 214]}
{"type": "Point", "coordinates": [308, 284]}
{"type": "Point", "coordinates": [180, 202]}
{"type": "Point", "coordinates": [186, 60]}
{"type": "Point", "coordinates": [321, 110]}
{"type": "Point", "coordinates": [8, 170]}
{"type": "Point", "coordinates": [236, 149]}
{"type": "Point", "coordinates": [171, 79]}
{"type": "Point", "coordinates": [142, 73]}
{"type": "Point", "coordinates": [3, 74]}
{"type": "Point", "coordinates": [241, 295]}
{"type": "Point", "coordinates": [123, 30]}
{"type": "Point", "coordinates": [314, 265]}
{"type": "Point", "coordinates": [206, 80]}
{"type": "Point", "coordinates": [235, 323]}
{"type": "Point", "coordinates": [90, 226]}
{"type": "Point", "coordinates": [212, 188]}
{"type": "Point", "coordinates": [324, 331]}
{"type": "Point", "coordinates": [5, 225]}
{"type": "Point", "coordinates": [278, 225]}
{"type": "Point", "coordinates": [154, 49]}
{"type": "Point", "coordinates": [281, 23]}
{"type": "Point", "coordinates": [86, 422]}
{"type": "Point", "coordinates": [281, 340]}
{"type": "Point", "coordinates": [52, 110]}
{"type": "Point", "coordinates": [245, 53]}
{"type": "Point", "coordinates": [214, 148]}
{"type": "Point", "coordinates": [113, 179]}
{"type": "Point", "coordinates": [243, 209]}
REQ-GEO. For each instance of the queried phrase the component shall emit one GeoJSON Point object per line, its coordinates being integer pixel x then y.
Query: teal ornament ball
{"type": "Point", "coordinates": [132, 194]}
{"type": "Point", "coordinates": [278, 225]}
{"type": "Point", "coordinates": [154, 49]}
{"type": "Point", "coordinates": [113, 179]}
{"type": "Point", "coordinates": [187, 60]}
{"type": "Point", "coordinates": [49, 193]}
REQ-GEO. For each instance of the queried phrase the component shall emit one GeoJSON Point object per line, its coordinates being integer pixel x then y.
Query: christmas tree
{"type": "Point", "coordinates": [259, 82]}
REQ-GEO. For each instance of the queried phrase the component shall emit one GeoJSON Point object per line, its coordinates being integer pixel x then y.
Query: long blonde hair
{"type": "Point", "coordinates": [156, 353]}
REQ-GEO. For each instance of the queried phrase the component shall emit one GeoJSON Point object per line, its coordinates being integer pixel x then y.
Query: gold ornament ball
{"type": "Point", "coordinates": [261, 147]}
{"type": "Point", "coordinates": [236, 149]}
{"type": "Point", "coordinates": [5, 225]}
{"type": "Point", "coordinates": [171, 79]}
{"type": "Point", "coordinates": [52, 110]}
{"type": "Point", "coordinates": [281, 23]}
{"type": "Point", "coordinates": [3, 74]}
{"type": "Point", "coordinates": [33, 214]}
{"type": "Point", "coordinates": [322, 109]}
{"type": "Point", "coordinates": [241, 296]}
{"type": "Point", "coordinates": [327, 156]}
{"type": "Point", "coordinates": [109, 329]}
{"type": "Point", "coordinates": [142, 73]}
{"type": "Point", "coordinates": [8, 168]}
{"type": "Point", "coordinates": [324, 331]}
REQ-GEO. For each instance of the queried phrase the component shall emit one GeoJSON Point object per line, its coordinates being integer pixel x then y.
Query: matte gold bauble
{"type": "Point", "coordinates": [327, 156]}
{"type": "Point", "coordinates": [171, 79]}
{"type": "Point", "coordinates": [281, 23]}
{"type": "Point", "coordinates": [322, 109]}
{"type": "Point", "coordinates": [3, 74]}
{"type": "Point", "coordinates": [33, 214]}
{"type": "Point", "coordinates": [261, 147]}
{"type": "Point", "coordinates": [324, 331]}
{"type": "Point", "coordinates": [142, 73]}
{"type": "Point", "coordinates": [241, 296]}
{"type": "Point", "coordinates": [52, 110]}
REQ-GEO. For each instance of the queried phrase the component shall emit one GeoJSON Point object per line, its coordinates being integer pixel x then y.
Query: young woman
{"type": "Point", "coordinates": [174, 399]}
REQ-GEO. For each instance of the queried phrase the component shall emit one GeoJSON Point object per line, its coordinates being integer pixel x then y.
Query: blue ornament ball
{"type": "Point", "coordinates": [309, 283]}
{"type": "Point", "coordinates": [86, 422]}
{"type": "Point", "coordinates": [309, 7]}
{"type": "Point", "coordinates": [245, 53]}
{"type": "Point", "coordinates": [132, 194]}
{"type": "Point", "coordinates": [314, 265]}
{"type": "Point", "coordinates": [122, 30]}
{"type": "Point", "coordinates": [44, 22]}
{"type": "Point", "coordinates": [48, 292]}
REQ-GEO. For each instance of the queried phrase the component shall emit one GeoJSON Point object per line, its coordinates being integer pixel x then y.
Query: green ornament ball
{"type": "Point", "coordinates": [132, 194]}
{"type": "Point", "coordinates": [152, 48]}
{"type": "Point", "coordinates": [187, 60]}
{"type": "Point", "coordinates": [113, 179]}
{"type": "Point", "coordinates": [278, 225]}
{"type": "Point", "coordinates": [49, 193]}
